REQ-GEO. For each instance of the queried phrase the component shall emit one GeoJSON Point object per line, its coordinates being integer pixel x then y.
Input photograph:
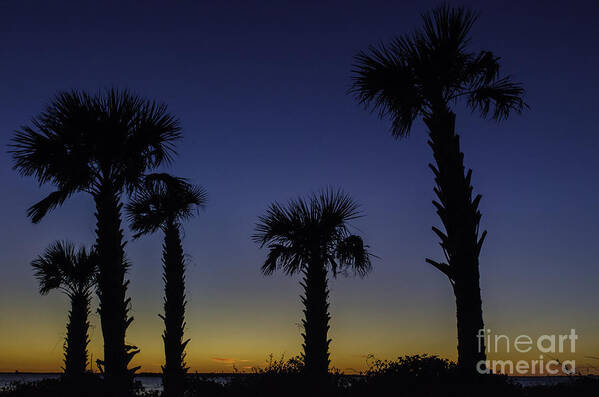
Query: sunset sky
{"type": "Point", "coordinates": [261, 92]}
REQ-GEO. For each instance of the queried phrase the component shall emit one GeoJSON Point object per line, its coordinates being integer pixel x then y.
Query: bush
{"type": "Point", "coordinates": [427, 375]}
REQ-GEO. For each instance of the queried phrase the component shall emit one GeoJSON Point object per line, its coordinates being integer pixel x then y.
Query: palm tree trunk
{"type": "Point", "coordinates": [174, 369]}
{"type": "Point", "coordinates": [316, 322]}
{"type": "Point", "coordinates": [460, 242]}
{"type": "Point", "coordinates": [112, 289]}
{"type": "Point", "coordinates": [76, 341]}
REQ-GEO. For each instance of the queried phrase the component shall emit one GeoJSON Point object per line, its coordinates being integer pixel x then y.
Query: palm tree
{"type": "Point", "coordinates": [311, 236]}
{"type": "Point", "coordinates": [163, 203]}
{"type": "Point", "coordinates": [72, 272]}
{"type": "Point", "coordinates": [422, 74]}
{"type": "Point", "coordinates": [101, 145]}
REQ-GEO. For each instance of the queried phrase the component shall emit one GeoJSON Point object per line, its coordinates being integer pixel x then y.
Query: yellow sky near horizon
{"type": "Point", "coordinates": [32, 338]}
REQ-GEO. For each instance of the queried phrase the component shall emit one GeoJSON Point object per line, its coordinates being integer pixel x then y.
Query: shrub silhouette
{"type": "Point", "coordinates": [426, 375]}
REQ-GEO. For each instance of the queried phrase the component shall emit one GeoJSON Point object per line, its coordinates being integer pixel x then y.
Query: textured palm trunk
{"type": "Point", "coordinates": [112, 289]}
{"type": "Point", "coordinates": [460, 216]}
{"type": "Point", "coordinates": [316, 322]}
{"type": "Point", "coordinates": [76, 341]}
{"type": "Point", "coordinates": [174, 369]}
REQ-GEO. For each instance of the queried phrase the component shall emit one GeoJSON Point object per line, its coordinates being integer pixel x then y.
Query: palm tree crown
{"type": "Point", "coordinates": [81, 141]}
{"type": "Point", "coordinates": [163, 199]}
{"type": "Point", "coordinates": [65, 268]}
{"type": "Point", "coordinates": [425, 71]}
{"type": "Point", "coordinates": [304, 230]}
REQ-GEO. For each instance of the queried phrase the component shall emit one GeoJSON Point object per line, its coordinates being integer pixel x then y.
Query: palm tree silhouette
{"type": "Point", "coordinates": [163, 203]}
{"type": "Point", "coordinates": [421, 75]}
{"type": "Point", "coordinates": [101, 145]}
{"type": "Point", "coordinates": [72, 272]}
{"type": "Point", "coordinates": [311, 236]}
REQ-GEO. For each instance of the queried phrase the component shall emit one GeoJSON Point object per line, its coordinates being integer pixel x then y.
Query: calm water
{"type": "Point", "coordinates": [148, 382]}
{"type": "Point", "coordinates": [155, 382]}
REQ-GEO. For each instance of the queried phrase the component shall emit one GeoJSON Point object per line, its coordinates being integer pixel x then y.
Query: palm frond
{"type": "Point", "coordinates": [481, 70]}
{"type": "Point", "coordinates": [307, 230]}
{"type": "Point", "coordinates": [499, 98]}
{"type": "Point", "coordinates": [152, 133]}
{"type": "Point", "coordinates": [384, 83]}
{"type": "Point", "coordinates": [49, 149]}
{"type": "Point", "coordinates": [32, 153]}
{"type": "Point", "coordinates": [84, 274]}
{"type": "Point", "coordinates": [47, 273]}
{"type": "Point", "coordinates": [163, 198]}
{"type": "Point", "coordinates": [143, 214]}
{"type": "Point", "coordinates": [62, 266]}
{"type": "Point", "coordinates": [282, 257]}
{"type": "Point", "coordinates": [448, 27]}
{"type": "Point", "coordinates": [337, 205]}
{"type": "Point", "coordinates": [55, 199]}
{"type": "Point", "coordinates": [278, 224]}
{"type": "Point", "coordinates": [353, 253]}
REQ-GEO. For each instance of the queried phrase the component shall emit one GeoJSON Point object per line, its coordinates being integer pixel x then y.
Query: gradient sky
{"type": "Point", "coordinates": [261, 93]}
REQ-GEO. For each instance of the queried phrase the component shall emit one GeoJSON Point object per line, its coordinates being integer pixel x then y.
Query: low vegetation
{"type": "Point", "coordinates": [408, 376]}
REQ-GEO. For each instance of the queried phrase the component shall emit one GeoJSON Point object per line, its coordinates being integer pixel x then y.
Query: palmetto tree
{"type": "Point", "coordinates": [311, 236]}
{"type": "Point", "coordinates": [102, 145]}
{"type": "Point", "coordinates": [73, 272]}
{"type": "Point", "coordinates": [423, 74]}
{"type": "Point", "coordinates": [163, 203]}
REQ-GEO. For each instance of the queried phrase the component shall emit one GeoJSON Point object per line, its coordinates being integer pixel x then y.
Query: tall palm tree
{"type": "Point", "coordinates": [102, 145]}
{"type": "Point", "coordinates": [72, 272]}
{"type": "Point", "coordinates": [311, 236]}
{"type": "Point", "coordinates": [423, 74]}
{"type": "Point", "coordinates": [163, 203]}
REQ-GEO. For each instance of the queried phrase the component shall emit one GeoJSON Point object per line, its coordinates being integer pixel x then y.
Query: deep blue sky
{"type": "Point", "coordinates": [260, 88]}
